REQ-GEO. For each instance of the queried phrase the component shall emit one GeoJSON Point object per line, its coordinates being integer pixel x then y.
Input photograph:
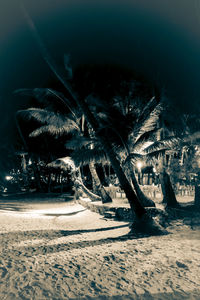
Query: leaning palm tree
{"type": "Point", "coordinates": [58, 124]}
{"type": "Point", "coordinates": [128, 130]}
{"type": "Point", "coordinates": [128, 139]}
{"type": "Point", "coordinates": [67, 164]}
{"type": "Point", "coordinates": [146, 224]}
{"type": "Point", "coordinates": [88, 151]}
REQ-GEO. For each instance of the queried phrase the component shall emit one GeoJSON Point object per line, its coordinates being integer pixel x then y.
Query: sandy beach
{"type": "Point", "coordinates": [60, 250]}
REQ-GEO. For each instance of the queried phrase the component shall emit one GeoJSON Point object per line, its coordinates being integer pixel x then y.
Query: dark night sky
{"type": "Point", "coordinates": [160, 39]}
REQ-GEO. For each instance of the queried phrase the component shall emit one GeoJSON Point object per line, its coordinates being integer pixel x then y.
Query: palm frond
{"type": "Point", "coordinates": [155, 155]}
{"type": "Point", "coordinates": [55, 123]}
{"type": "Point", "coordinates": [85, 156]}
{"type": "Point", "coordinates": [46, 95]}
{"type": "Point", "coordinates": [60, 96]}
{"type": "Point", "coordinates": [64, 163]}
{"type": "Point", "coordinates": [38, 114]}
{"type": "Point", "coordinates": [54, 130]}
{"type": "Point", "coordinates": [149, 124]}
{"type": "Point", "coordinates": [148, 136]}
{"type": "Point", "coordinates": [78, 142]}
{"type": "Point", "coordinates": [168, 143]}
{"type": "Point", "coordinates": [148, 109]}
{"type": "Point", "coordinates": [134, 157]}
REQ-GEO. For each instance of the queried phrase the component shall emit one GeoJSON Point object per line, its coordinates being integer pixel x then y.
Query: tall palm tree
{"type": "Point", "coordinates": [138, 210]}
{"type": "Point", "coordinates": [127, 138]}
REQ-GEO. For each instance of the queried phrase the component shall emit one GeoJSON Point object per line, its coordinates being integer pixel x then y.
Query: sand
{"type": "Point", "coordinates": [63, 251]}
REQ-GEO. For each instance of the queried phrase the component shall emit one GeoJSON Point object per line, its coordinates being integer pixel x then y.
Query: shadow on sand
{"type": "Point", "coordinates": [52, 234]}
{"type": "Point", "coordinates": [192, 295]}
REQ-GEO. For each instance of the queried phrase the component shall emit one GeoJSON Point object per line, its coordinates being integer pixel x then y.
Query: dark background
{"type": "Point", "coordinates": [160, 39]}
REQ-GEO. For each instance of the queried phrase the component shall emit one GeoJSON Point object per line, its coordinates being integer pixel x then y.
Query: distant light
{"type": "Point", "coordinates": [9, 178]}
{"type": "Point", "coordinates": [30, 162]}
{"type": "Point", "coordinates": [139, 164]}
{"type": "Point", "coordinates": [154, 170]}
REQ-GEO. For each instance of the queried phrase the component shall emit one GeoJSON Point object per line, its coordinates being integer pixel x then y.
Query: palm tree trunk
{"type": "Point", "coordinates": [136, 207]}
{"type": "Point", "coordinates": [49, 183]}
{"type": "Point", "coordinates": [105, 175]}
{"type": "Point", "coordinates": [197, 196]}
{"type": "Point", "coordinates": [99, 187]}
{"type": "Point", "coordinates": [169, 197]}
{"type": "Point", "coordinates": [146, 202]}
{"type": "Point", "coordinates": [81, 188]}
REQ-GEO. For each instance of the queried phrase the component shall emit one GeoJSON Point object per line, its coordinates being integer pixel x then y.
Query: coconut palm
{"type": "Point", "coordinates": [62, 124]}
{"type": "Point", "coordinates": [146, 224]}
{"type": "Point", "coordinates": [134, 127]}
{"type": "Point", "coordinates": [120, 124]}
{"type": "Point", "coordinates": [183, 137]}
{"type": "Point", "coordinates": [67, 164]}
{"type": "Point", "coordinates": [154, 143]}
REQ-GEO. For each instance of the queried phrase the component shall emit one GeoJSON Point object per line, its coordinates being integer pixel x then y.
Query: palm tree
{"type": "Point", "coordinates": [192, 141]}
{"type": "Point", "coordinates": [151, 142]}
{"type": "Point", "coordinates": [138, 210]}
{"type": "Point", "coordinates": [128, 129]}
{"type": "Point", "coordinates": [127, 138]}
{"type": "Point", "coordinates": [67, 164]}
{"type": "Point", "coordinates": [183, 137]}
{"type": "Point", "coordinates": [156, 153]}
{"type": "Point", "coordinates": [62, 124]}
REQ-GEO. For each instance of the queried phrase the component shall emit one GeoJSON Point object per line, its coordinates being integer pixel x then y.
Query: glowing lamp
{"type": "Point", "coordinates": [139, 165]}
